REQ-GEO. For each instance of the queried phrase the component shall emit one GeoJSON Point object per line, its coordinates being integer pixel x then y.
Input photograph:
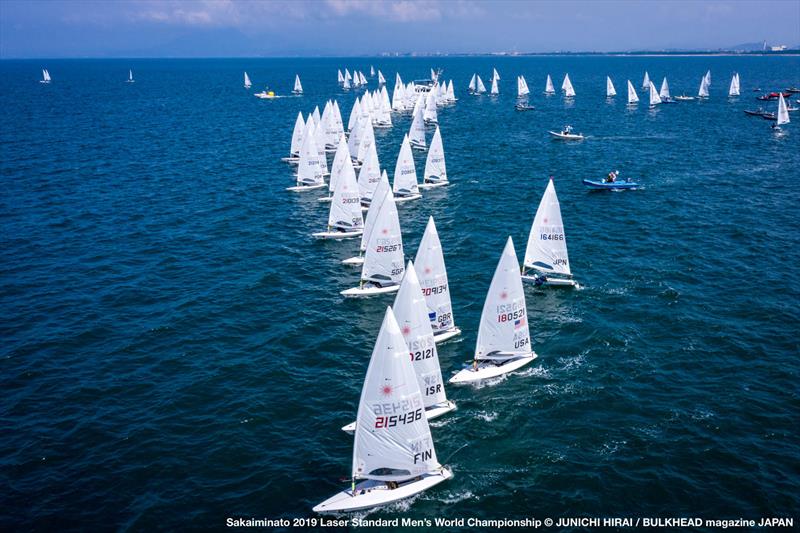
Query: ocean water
{"type": "Point", "coordinates": [175, 350]}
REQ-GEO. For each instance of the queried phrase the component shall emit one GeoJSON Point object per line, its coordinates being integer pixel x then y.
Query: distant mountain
{"type": "Point", "coordinates": [747, 47]}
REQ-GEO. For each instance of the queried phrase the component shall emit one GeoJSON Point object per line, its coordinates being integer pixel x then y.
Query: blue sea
{"type": "Point", "coordinates": [175, 350]}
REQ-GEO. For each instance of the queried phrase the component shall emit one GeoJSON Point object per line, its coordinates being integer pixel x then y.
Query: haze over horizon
{"type": "Point", "coordinates": [222, 28]}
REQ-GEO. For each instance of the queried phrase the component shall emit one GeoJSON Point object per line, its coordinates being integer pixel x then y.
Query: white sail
{"type": "Point", "coordinates": [130, 75]}
{"type": "Point", "coordinates": [664, 92]}
{"type": "Point", "coordinates": [405, 173]}
{"type": "Point", "coordinates": [346, 84]}
{"type": "Point", "coordinates": [411, 311]}
{"type": "Point", "coordinates": [369, 175]}
{"type": "Point", "coordinates": [354, 114]}
{"type": "Point", "coordinates": [494, 89]}
{"type": "Point", "coordinates": [783, 112]}
{"type": "Point", "coordinates": [522, 87]}
{"type": "Point", "coordinates": [393, 440]}
{"type": "Point", "coordinates": [548, 87]}
{"type": "Point", "coordinates": [309, 170]}
{"type": "Point", "coordinates": [371, 71]}
{"type": "Point", "coordinates": [481, 87]}
{"type": "Point", "coordinates": [451, 94]}
{"type": "Point", "coordinates": [646, 81]}
{"type": "Point", "coordinates": [247, 83]}
{"type": "Point", "coordinates": [495, 74]}
{"type": "Point", "coordinates": [337, 120]}
{"type": "Point", "coordinates": [320, 141]}
{"type": "Point", "coordinates": [733, 90]}
{"type": "Point", "coordinates": [610, 90]}
{"type": "Point", "coordinates": [316, 116]}
{"type": "Point", "coordinates": [297, 135]}
{"type": "Point", "coordinates": [367, 139]}
{"type": "Point", "coordinates": [433, 279]}
{"type": "Point", "coordinates": [362, 78]}
{"type": "Point", "coordinates": [381, 79]}
{"type": "Point", "coordinates": [435, 168]}
{"type": "Point", "coordinates": [569, 91]}
{"type": "Point", "coordinates": [472, 84]}
{"type": "Point", "coordinates": [383, 262]}
{"type": "Point", "coordinates": [339, 76]}
{"type": "Point", "coordinates": [416, 133]}
{"type": "Point", "coordinates": [398, 96]}
{"type": "Point", "coordinates": [564, 83]}
{"type": "Point", "coordinates": [429, 114]}
{"type": "Point", "coordinates": [434, 76]}
{"type": "Point", "coordinates": [45, 76]}
{"type": "Point", "coordinates": [381, 191]}
{"type": "Point", "coordinates": [503, 332]}
{"type": "Point", "coordinates": [702, 92]}
{"type": "Point", "coordinates": [654, 98]}
{"type": "Point", "coordinates": [298, 87]}
{"type": "Point", "coordinates": [354, 141]}
{"type": "Point", "coordinates": [347, 75]}
{"type": "Point", "coordinates": [385, 112]}
{"type": "Point", "coordinates": [547, 242]}
{"type": "Point", "coordinates": [345, 210]}
{"type": "Point", "coordinates": [632, 96]}
{"type": "Point", "coordinates": [341, 163]}
{"type": "Point", "coordinates": [707, 77]}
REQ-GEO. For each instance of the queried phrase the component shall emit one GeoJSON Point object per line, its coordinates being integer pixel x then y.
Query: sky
{"type": "Point", "coordinates": [252, 28]}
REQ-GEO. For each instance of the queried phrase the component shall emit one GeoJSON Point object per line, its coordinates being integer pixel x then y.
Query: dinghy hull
{"type": "Point", "coordinates": [337, 235]}
{"type": "Point", "coordinates": [488, 370]}
{"type": "Point", "coordinates": [353, 261]}
{"type": "Point", "coordinates": [550, 282]}
{"type": "Point", "coordinates": [301, 188]}
{"type": "Point", "coordinates": [433, 184]}
{"type": "Point", "coordinates": [566, 136]}
{"type": "Point", "coordinates": [446, 335]}
{"type": "Point", "coordinates": [401, 199]}
{"type": "Point", "coordinates": [358, 292]}
{"type": "Point", "coordinates": [325, 199]}
{"type": "Point", "coordinates": [372, 493]}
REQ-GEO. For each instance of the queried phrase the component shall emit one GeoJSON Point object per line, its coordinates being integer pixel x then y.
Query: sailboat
{"type": "Point", "coordinates": [405, 186]}
{"type": "Point", "coordinates": [435, 288]}
{"type": "Point", "coordinates": [633, 98]}
{"type": "Point", "coordinates": [504, 340]}
{"type": "Point", "coordinates": [494, 90]}
{"type": "Point", "coordinates": [451, 94]}
{"type": "Point", "coordinates": [481, 88]}
{"type": "Point", "coordinates": [247, 83]}
{"type": "Point", "coordinates": [393, 450]}
{"type": "Point", "coordinates": [546, 261]}
{"type": "Point", "coordinates": [646, 81]}
{"type": "Point", "coordinates": [435, 169]}
{"type": "Point", "coordinates": [371, 71]}
{"type": "Point", "coordinates": [45, 76]}
{"type": "Point", "coordinates": [569, 91]}
{"type": "Point", "coordinates": [495, 74]}
{"type": "Point", "coordinates": [416, 133]}
{"type": "Point", "coordinates": [339, 76]}
{"type": "Point", "coordinates": [411, 312]}
{"type": "Point", "coordinates": [429, 115]}
{"type": "Point", "coordinates": [384, 264]}
{"type": "Point", "coordinates": [369, 176]}
{"type": "Point", "coordinates": [655, 99]}
{"type": "Point", "coordinates": [381, 79]}
{"type": "Point", "coordinates": [702, 92]}
{"type": "Point", "coordinates": [130, 76]}
{"type": "Point", "coordinates": [297, 140]}
{"type": "Point", "coordinates": [522, 87]}
{"type": "Point", "coordinates": [664, 93]}
{"type": "Point", "coordinates": [309, 169]}
{"type": "Point", "coordinates": [344, 219]}
{"type": "Point", "coordinates": [340, 160]}
{"type": "Point", "coordinates": [610, 90]}
{"type": "Point", "coordinates": [346, 83]}
{"type": "Point", "coordinates": [783, 114]}
{"type": "Point", "coordinates": [733, 90]}
{"type": "Point", "coordinates": [382, 188]}
{"type": "Point", "coordinates": [548, 87]}
{"type": "Point", "coordinates": [472, 84]}
{"type": "Point", "coordinates": [298, 88]}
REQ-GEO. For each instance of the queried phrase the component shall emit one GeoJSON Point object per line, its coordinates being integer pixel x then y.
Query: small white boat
{"type": "Point", "coordinates": [655, 99]}
{"type": "Point", "coordinates": [633, 98]}
{"type": "Point", "coordinates": [546, 260]}
{"type": "Point", "coordinates": [384, 265]}
{"type": "Point", "coordinates": [567, 135]}
{"type": "Point", "coordinates": [522, 87]}
{"type": "Point", "coordinates": [298, 87]}
{"type": "Point", "coordinates": [247, 83]}
{"type": "Point", "coordinates": [397, 460]}
{"type": "Point", "coordinates": [309, 169]}
{"type": "Point", "coordinates": [504, 340]}
{"type": "Point", "coordinates": [344, 219]}
{"type": "Point", "coordinates": [130, 77]}
{"type": "Point", "coordinates": [783, 114]}
{"type": "Point", "coordinates": [646, 81]}
{"type": "Point", "coordinates": [405, 185]}
{"type": "Point", "coordinates": [566, 86]}
{"type": "Point", "coordinates": [45, 76]}
{"type": "Point", "coordinates": [734, 89]}
{"type": "Point", "coordinates": [702, 92]}
{"type": "Point", "coordinates": [664, 92]}
{"type": "Point", "coordinates": [495, 90]}
{"type": "Point", "coordinates": [416, 133]}
{"type": "Point", "coordinates": [610, 90]}
{"type": "Point", "coordinates": [435, 287]}
{"type": "Point", "coordinates": [684, 98]}
{"type": "Point", "coordinates": [548, 86]}
{"type": "Point", "coordinates": [480, 88]}
{"type": "Point", "coordinates": [435, 174]}
{"type": "Point", "coordinates": [297, 140]}
{"type": "Point", "coordinates": [378, 197]}
{"type": "Point", "coordinates": [265, 95]}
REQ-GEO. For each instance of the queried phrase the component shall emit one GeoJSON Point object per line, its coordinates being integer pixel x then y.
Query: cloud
{"type": "Point", "coordinates": [394, 10]}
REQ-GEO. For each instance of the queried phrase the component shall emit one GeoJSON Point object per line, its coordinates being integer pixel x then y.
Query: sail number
{"type": "Point", "coordinates": [552, 236]}
{"type": "Point", "coordinates": [422, 355]}
{"type": "Point", "coordinates": [394, 420]}
{"type": "Point", "coordinates": [427, 291]}
{"type": "Point", "coordinates": [514, 315]}
{"type": "Point", "coordinates": [388, 248]}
